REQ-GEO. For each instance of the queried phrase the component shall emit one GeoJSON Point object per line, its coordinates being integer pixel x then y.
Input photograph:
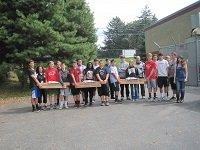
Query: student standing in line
{"type": "Point", "coordinates": [34, 84]}
{"type": "Point", "coordinates": [58, 65]}
{"type": "Point", "coordinates": [107, 65]}
{"type": "Point", "coordinates": [96, 63]}
{"type": "Point", "coordinates": [162, 66]}
{"type": "Point", "coordinates": [88, 74]}
{"type": "Point", "coordinates": [95, 66]}
{"type": "Point", "coordinates": [123, 65]}
{"type": "Point", "coordinates": [114, 80]}
{"type": "Point", "coordinates": [151, 75]}
{"type": "Point", "coordinates": [81, 67]}
{"type": "Point", "coordinates": [181, 76]}
{"type": "Point", "coordinates": [75, 75]}
{"type": "Point", "coordinates": [140, 67]}
{"type": "Point", "coordinates": [43, 93]}
{"type": "Point", "coordinates": [171, 72]}
{"type": "Point", "coordinates": [168, 58]}
{"type": "Point", "coordinates": [102, 75]}
{"type": "Point", "coordinates": [65, 91]}
{"type": "Point", "coordinates": [132, 71]}
{"type": "Point", "coordinates": [52, 75]}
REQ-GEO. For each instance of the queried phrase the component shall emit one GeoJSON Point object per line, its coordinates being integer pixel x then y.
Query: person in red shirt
{"type": "Point", "coordinates": [52, 75]}
{"type": "Point", "coordinates": [151, 75]}
{"type": "Point", "coordinates": [75, 73]}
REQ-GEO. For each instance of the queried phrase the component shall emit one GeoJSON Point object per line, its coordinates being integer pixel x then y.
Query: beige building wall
{"type": "Point", "coordinates": [178, 28]}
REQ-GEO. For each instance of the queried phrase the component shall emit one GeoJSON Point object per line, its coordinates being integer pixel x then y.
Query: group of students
{"type": "Point", "coordinates": [158, 71]}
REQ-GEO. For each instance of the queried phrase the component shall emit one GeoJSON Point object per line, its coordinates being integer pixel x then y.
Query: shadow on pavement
{"type": "Point", "coordinates": [192, 105]}
{"type": "Point", "coordinates": [20, 110]}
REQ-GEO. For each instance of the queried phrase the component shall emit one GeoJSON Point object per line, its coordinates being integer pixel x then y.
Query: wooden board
{"type": "Point", "coordinates": [133, 81]}
{"type": "Point", "coordinates": [88, 84]}
{"type": "Point", "coordinates": [53, 85]}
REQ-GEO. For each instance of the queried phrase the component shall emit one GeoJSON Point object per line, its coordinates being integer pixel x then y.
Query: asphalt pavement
{"type": "Point", "coordinates": [140, 125]}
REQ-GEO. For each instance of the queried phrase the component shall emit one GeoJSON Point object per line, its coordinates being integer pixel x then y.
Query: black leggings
{"type": "Point", "coordinates": [42, 96]}
{"type": "Point", "coordinates": [88, 92]}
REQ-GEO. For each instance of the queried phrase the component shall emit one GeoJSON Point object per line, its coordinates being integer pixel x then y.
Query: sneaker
{"type": "Point", "coordinates": [55, 106]}
{"type": "Point", "coordinates": [143, 97]}
{"type": "Point", "coordinates": [107, 103]}
{"type": "Point", "coordinates": [181, 100]}
{"type": "Point", "coordinates": [149, 98]}
{"type": "Point", "coordinates": [38, 110]}
{"type": "Point", "coordinates": [44, 107]}
{"type": "Point", "coordinates": [66, 104]}
{"type": "Point", "coordinates": [172, 98]}
{"type": "Point", "coordinates": [102, 104]}
{"type": "Point", "coordinates": [164, 98]}
{"type": "Point", "coordinates": [51, 106]}
{"type": "Point", "coordinates": [128, 98]}
{"type": "Point", "coordinates": [90, 104]}
{"type": "Point", "coordinates": [122, 98]}
{"type": "Point", "coordinates": [112, 97]}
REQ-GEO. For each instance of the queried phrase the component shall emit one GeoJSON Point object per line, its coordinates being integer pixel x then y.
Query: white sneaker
{"type": "Point", "coordinates": [165, 98]}
{"type": "Point", "coordinates": [61, 105]}
{"type": "Point", "coordinates": [65, 104]}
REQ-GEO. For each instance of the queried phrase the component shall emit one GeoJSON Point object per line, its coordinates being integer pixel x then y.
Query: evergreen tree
{"type": "Point", "coordinates": [30, 29]}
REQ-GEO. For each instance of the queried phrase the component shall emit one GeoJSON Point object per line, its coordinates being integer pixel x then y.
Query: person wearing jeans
{"type": "Point", "coordinates": [181, 75]}
{"type": "Point", "coordinates": [123, 65]}
{"type": "Point", "coordinates": [140, 66]}
{"type": "Point", "coordinates": [132, 71]}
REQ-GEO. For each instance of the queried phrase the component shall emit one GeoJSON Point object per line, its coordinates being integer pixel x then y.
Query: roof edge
{"type": "Point", "coordinates": [175, 15]}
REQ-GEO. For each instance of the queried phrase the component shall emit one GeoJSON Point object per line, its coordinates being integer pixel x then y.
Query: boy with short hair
{"type": "Point", "coordinates": [102, 75]}
{"type": "Point", "coordinates": [34, 84]}
{"type": "Point", "coordinates": [162, 66]}
{"type": "Point", "coordinates": [114, 80]}
{"type": "Point", "coordinates": [75, 75]}
{"type": "Point", "coordinates": [150, 68]}
{"type": "Point", "coordinates": [64, 92]}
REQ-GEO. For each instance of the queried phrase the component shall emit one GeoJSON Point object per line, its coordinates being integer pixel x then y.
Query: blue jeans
{"type": "Point", "coordinates": [134, 91]}
{"type": "Point", "coordinates": [180, 89]}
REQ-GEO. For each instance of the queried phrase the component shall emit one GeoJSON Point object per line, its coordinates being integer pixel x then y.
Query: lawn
{"type": "Point", "coordinates": [12, 89]}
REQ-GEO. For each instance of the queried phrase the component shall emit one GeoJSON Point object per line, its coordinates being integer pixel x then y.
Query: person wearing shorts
{"type": "Point", "coordinates": [43, 93]}
{"type": "Point", "coordinates": [34, 86]}
{"type": "Point", "coordinates": [75, 75]}
{"type": "Point", "coordinates": [52, 75]}
{"type": "Point", "coordinates": [65, 91]}
{"type": "Point", "coordinates": [162, 80]}
{"type": "Point", "coordinates": [102, 74]}
{"type": "Point", "coordinates": [150, 73]}
{"type": "Point", "coordinates": [114, 80]}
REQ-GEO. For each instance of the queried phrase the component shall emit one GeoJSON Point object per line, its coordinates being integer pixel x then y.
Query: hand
{"type": "Point", "coordinates": [39, 85]}
{"type": "Point", "coordinates": [185, 80]}
{"type": "Point", "coordinates": [102, 82]}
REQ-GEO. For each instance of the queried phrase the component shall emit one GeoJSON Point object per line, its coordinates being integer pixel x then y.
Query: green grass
{"type": "Point", "coordinates": [12, 89]}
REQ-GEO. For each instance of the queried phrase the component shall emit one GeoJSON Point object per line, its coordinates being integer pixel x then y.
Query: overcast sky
{"type": "Point", "coordinates": [129, 10]}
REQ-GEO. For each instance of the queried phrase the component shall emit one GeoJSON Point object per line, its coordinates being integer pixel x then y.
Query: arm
{"type": "Point", "coordinates": [186, 71]}
{"type": "Point", "coordinates": [36, 81]}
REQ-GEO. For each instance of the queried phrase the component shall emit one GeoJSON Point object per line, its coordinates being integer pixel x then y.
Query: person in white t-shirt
{"type": "Point", "coordinates": [162, 66]}
{"type": "Point", "coordinates": [114, 80]}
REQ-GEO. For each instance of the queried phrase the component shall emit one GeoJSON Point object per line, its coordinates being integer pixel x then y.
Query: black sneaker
{"type": "Point", "coordinates": [172, 98]}
{"type": "Point", "coordinates": [122, 98]}
{"type": "Point", "coordinates": [128, 98]}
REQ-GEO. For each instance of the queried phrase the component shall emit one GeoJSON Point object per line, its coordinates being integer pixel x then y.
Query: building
{"type": "Point", "coordinates": [172, 29]}
{"type": "Point", "coordinates": [175, 33]}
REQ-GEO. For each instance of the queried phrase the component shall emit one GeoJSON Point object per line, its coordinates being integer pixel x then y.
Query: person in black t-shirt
{"type": "Point", "coordinates": [102, 74]}
{"type": "Point", "coordinates": [34, 84]}
{"type": "Point", "coordinates": [88, 74]}
{"type": "Point", "coordinates": [43, 93]}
